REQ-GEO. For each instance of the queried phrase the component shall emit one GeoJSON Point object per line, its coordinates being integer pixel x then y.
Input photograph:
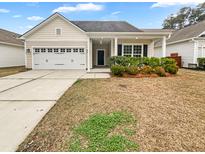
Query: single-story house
{"type": "Point", "coordinates": [188, 42]}
{"type": "Point", "coordinates": [11, 49]}
{"type": "Point", "coordinates": [58, 43]}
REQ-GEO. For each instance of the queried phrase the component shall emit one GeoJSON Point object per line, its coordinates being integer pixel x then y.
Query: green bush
{"type": "Point", "coordinates": [201, 62]}
{"type": "Point", "coordinates": [146, 70]}
{"type": "Point", "coordinates": [145, 64]}
{"type": "Point", "coordinates": [117, 70]}
{"type": "Point", "coordinates": [133, 70]}
{"type": "Point", "coordinates": [119, 60]}
{"type": "Point", "coordinates": [160, 71]}
{"type": "Point", "coordinates": [167, 61]}
{"type": "Point", "coordinates": [153, 62]}
{"type": "Point", "coordinates": [171, 68]}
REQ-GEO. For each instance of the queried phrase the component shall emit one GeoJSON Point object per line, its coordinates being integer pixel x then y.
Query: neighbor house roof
{"type": "Point", "coordinates": [106, 26]}
{"type": "Point", "coordinates": [186, 33]}
{"type": "Point", "coordinates": [9, 37]}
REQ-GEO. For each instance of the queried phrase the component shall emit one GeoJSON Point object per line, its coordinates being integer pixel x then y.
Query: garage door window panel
{"type": "Point", "coordinates": [75, 50]}
{"type": "Point", "coordinates": [50, 50]}
{"type": "Point", "coordinates": [81, 50]}
{"type": "Point", "coordinates": [56, 50]}
{"type": "Point", "coordinates": [36, 50]}
{"type": "Point", "coordinates": [62, 50]}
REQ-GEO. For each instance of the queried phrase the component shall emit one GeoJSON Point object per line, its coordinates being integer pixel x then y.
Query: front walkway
{"type": "Point", "coordinates": [26, 97]}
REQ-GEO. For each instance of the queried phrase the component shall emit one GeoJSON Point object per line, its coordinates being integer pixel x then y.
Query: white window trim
{"type": "Point", "coordinates": [56, 31]}
{"type": "Point", "coordinates": [123, 44]}
{"type": "Point", "coordinates": [97, 57]}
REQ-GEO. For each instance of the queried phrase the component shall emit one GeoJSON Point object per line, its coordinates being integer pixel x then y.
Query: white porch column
{"type": "Point", "coordinates": [164, 46]}
{"type": "Point", "coordinates": [115, 52]}
{"type": "Point", "coordinates": [88, 55]}
{"type": "Point", "coordinates": [111, 48]}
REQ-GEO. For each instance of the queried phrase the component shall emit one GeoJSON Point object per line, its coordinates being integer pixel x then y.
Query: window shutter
{"type": "Point", "coordinates": [119, 52]}
{"type": "Point", "coordinates": [145, 50]}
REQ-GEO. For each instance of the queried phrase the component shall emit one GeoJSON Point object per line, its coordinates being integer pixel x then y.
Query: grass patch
{"type": "Point", "coordinates": [95, 131]}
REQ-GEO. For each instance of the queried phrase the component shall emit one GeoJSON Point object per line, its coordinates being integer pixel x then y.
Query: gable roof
{"type": "Point", "coordinates": [9, 37]}
{"type": "Point", "coordinates": [91, 26]}
{"type": "Point", "coordinates": [186, 33]}
{"type": "Point", "coordinates": [106, 26]}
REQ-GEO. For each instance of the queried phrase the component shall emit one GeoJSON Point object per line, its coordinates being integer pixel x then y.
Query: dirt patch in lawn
{"type": "Point", "coordinates": [11, 70]}
{"type": "Point", "coordinates": [170, 112]}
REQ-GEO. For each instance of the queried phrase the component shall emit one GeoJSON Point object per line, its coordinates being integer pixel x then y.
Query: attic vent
{"type": "Point", "coordinates": [58, 31]}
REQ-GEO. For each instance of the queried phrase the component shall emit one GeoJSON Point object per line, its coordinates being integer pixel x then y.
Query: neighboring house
{"type": "Point", "coordinates": [58, 43]}
{"type": "Point", "coordinates": [11, 49]}
{"type": "Point", "coordinates": [188, 42]}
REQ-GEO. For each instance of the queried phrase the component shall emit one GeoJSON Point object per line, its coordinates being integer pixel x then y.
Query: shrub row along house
{"type": "Point", "coordinates": [58, 43]}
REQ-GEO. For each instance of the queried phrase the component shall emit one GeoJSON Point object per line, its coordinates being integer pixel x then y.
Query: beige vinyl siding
{"type": "Point", "coordinates": [48, 31]}
{"type": "Point", "coordinates": [31, 44]}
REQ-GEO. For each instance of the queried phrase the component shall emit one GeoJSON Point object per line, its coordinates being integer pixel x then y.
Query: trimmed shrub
{"type": "Point", "coordinates": [119, 60]}
{"type": "Point", "coordinates": [201, 62]}
{"type": "Point", "coordinates": [117, 70]}
{"type": "Point", "coordinates": [171, 68]}
{"type": "Point", "coordinates": [132, 70]}
{"type": "Point", "coordinates": [146, 70]}
{"type": "Point", "coordinates": [167, 61]}
{"type": "Point", "coordinates": [160, 71]}
{"type": "Point", "coordinates": [153, 62]}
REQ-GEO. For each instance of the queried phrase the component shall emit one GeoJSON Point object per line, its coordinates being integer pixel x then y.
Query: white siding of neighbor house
{"type": "Point", "coordinates": [11, 56]}
{"type": "Point", "coordinates": [201, 46]}
{"type": "Point", "coordinates": [46, 37]}
{"type": "Point", "coordinates": [184, 49]}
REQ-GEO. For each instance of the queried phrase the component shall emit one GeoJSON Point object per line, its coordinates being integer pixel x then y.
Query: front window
{"type": "Point", "coordinates": [132, 50]}
{"type": "Point", "coordinates": [137, 51]}
{"type": "Point", "coordinates": [127, 50]}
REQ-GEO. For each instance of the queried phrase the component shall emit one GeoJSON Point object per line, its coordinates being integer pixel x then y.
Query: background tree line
{"type": "Point", "coordinates": [184, 17]}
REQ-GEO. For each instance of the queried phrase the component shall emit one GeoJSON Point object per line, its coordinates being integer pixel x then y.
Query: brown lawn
{"type": "Point", "coordinates": [170, 112]}
{"type": "Point", "coordinates": [11, 70]}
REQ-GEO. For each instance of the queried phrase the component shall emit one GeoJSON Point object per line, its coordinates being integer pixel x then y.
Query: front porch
{"type": "Point", "coordinates": [101, 49]}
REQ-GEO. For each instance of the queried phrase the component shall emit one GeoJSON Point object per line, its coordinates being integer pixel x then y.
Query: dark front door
{"type": "Point", "coordinates": [100, 57]}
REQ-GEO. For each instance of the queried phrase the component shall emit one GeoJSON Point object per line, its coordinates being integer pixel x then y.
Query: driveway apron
{"type": "Point", "coordinates": [25, 98]}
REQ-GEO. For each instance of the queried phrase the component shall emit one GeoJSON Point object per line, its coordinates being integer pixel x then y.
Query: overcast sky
{"type": "Point", "coordinates": [20, 17]}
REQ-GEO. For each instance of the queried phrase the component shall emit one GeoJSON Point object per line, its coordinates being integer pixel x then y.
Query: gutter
{"type": "Point", "coordinates": [12, 44]}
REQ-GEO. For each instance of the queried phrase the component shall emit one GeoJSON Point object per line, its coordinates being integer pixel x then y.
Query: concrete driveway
{"type": "Point", "coordinates": [25, 98]}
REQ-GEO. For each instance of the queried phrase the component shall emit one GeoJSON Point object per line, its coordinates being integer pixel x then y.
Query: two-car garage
{"type": "Point", "coordinates": [59, 58]}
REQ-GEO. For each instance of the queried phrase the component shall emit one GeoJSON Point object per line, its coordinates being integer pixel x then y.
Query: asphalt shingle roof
{"type": "Point", "coordinates": [106, 26]}
{"type": "Point", "coordinates": [186, 33]}
{"type": "Point", "coordinates": [10, 37]}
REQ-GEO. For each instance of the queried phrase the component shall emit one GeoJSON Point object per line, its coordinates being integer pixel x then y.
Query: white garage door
{"type": "Point", "coordinates": [59, 58]}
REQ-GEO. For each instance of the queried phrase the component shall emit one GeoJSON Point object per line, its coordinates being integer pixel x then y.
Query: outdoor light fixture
{"type": "Point", "coordinates": [28, 50]}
